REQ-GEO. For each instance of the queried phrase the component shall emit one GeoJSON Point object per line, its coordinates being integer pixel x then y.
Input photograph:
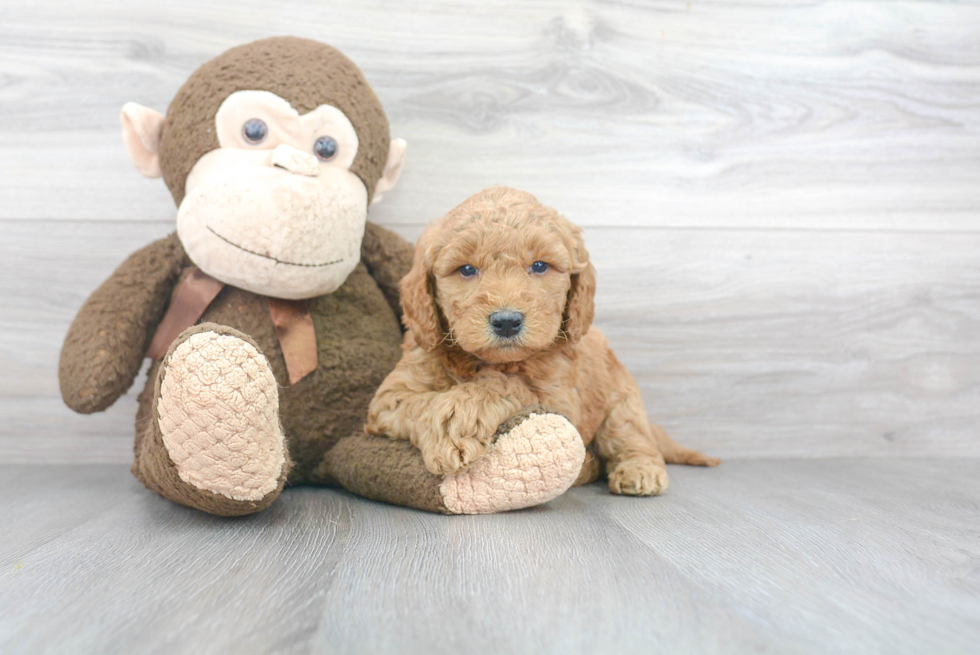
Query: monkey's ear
{"type": "Point", "coordinates": [142, 129]}
{"type": "Point", "coordinates": [393, 168]}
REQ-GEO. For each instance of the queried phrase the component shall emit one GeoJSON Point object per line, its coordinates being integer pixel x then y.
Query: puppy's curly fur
{"type": "Point", "coordinates": [458, 380]}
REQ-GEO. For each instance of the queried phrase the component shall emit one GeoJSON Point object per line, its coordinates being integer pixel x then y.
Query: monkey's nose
{"type": "Point", "coordinates": [506, 323]}
{"type": "Point", "coordinates": [295, 161]}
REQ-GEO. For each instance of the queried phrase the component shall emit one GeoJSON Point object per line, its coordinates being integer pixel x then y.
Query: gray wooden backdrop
{"type": "Point", "coordinates": [782, 198]}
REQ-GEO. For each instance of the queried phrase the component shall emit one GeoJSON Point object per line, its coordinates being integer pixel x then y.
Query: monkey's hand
{"type": "Point", "coordinates": [107, 340]}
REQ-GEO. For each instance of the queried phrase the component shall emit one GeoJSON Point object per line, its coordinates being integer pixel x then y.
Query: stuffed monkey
{"type": "Point", "coordinates": [271, 315]}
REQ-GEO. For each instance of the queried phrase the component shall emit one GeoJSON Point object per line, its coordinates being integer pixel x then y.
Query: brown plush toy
{"type": "Point", "coordinates": [272, 314]}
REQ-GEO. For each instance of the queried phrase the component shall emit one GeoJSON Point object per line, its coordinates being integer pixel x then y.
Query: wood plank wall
{"type": "Point", "coordinates": [782, 198]}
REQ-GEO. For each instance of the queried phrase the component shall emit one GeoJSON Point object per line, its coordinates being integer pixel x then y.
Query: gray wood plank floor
{"type": "Point", "coordinates": [780, 556]}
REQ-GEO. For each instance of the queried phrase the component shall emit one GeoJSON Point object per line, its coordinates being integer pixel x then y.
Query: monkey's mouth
{"type": "Point", "coordinates": [276, 260]}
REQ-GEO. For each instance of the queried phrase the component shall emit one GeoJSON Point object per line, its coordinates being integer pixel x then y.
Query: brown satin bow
{"type": "Point", "coordinates": [294, 326]}
{"type": "Point", "coordinates": [196, 291]}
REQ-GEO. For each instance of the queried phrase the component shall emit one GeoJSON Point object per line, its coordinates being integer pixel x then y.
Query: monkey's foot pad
{"type": "Point", "coordinates": [219, 415]}
{"type": "Point", "coordinates": [531, 463]}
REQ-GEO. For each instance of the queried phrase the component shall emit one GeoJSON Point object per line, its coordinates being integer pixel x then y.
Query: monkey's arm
{"type": "Point", "coordinates": [107, 340]}
{"type": "Point", "coordinates": [388, 258]}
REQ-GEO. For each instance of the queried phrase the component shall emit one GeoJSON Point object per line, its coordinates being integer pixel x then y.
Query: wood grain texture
{"type": "Point", "coordinates": [781, 197]}
{"type": "Point", "coordinates": [782, 202]}
{"type": "Point", "coordinates": [849, 556]}
{"type": "Point", "coordinates": [669, 113]}
{"type": "Point", "coordinates": [747, 343]}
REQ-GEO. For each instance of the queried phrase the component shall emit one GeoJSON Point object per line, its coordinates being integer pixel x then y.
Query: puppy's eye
{"type": "Point", "coordinates": [255, 130]}
{"type": "Point", "coordinates": [325, 148]}
{"type": "Point", "coordinates": [468, 271]}
{"type": "Point", "coordinates": [538, 267]}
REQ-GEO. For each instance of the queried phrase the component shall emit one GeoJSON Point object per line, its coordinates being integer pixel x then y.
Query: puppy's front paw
{"type": "Point", "coordinates": [638, 477]}
{"type": "Point", "coordinates": [450, 454]}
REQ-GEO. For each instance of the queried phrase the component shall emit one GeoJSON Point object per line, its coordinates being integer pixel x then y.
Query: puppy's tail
{"type": "Point", "coordinates": [674, 453]}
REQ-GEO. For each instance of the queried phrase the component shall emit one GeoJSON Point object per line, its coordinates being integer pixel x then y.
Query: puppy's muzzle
{"type": "Point", "coordinates": [507, 324]}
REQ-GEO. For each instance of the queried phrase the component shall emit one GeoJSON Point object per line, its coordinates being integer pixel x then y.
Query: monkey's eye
{"type": "Point", "coordinates": [538, 267]}
{"type": "Point", "coordinates": [468, 271]}
{"type": "Point", "coordinates": [255, 130]}
{"type": "Point", "coordinates": [325, 148]}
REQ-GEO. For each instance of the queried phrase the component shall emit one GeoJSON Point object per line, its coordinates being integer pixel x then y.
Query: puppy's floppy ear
{"type": "Point", "coordinates": [580, 306]}
{"type": "Point", "coordinates": [418, 298]}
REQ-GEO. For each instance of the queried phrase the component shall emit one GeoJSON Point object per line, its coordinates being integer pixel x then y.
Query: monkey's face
{"type": "Point", "coordinates": [275, 209]}
{"type": "Point", "coordinates": [273, 151]}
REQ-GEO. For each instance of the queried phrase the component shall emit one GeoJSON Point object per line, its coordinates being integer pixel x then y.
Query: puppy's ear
{"type": "Point", "coordinates": [580, 307]}
{"type": "Point", "coordinates": [418, 299]}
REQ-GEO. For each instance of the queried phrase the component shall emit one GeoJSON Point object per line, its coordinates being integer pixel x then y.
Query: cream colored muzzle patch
{"type": "Point", "coordinates": [219, 415]}
{"type": "Point", "coordinates": [533, 463]}
{"type": "Point", "coordinates": [270, 231]}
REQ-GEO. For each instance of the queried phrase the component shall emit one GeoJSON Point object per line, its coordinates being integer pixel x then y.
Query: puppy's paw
{"type": "Point", "coordinates": [450, 454]}
{"type": "Point", "coordinates": [465, 423]}
{"type": "Point", "coordinates": [638, 477]}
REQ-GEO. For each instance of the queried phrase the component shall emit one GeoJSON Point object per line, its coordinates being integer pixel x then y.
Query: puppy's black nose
{"type": "Point", "coordinates": [506, 324]}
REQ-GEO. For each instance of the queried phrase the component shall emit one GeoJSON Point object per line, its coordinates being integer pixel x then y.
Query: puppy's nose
{"type": "Point", "coordinates": [506, 324]}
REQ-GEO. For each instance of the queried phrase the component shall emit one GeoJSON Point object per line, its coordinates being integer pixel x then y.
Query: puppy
{"type": "Point", "coordinates": [499, 306]}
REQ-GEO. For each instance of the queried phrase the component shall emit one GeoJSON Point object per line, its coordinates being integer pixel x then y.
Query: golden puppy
{"type": "Point", "coordinates": [499, 306]}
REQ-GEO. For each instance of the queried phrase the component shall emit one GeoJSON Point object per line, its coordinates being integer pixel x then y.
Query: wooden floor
{"type": "Point", "coordinates": [782, 200]}
{"type": "Point", "coordinates": [777, 556]}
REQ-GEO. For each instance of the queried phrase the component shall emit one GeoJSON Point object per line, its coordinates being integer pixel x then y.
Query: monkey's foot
{"type": "Point", "coordinates": [218, 410]}
{"type": "Point", "coordinates": [536, 457]}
